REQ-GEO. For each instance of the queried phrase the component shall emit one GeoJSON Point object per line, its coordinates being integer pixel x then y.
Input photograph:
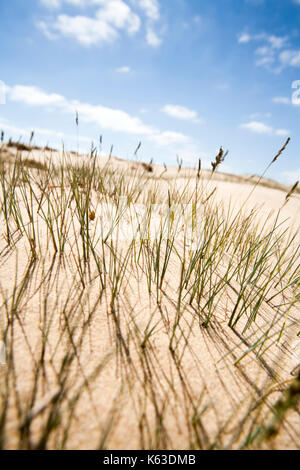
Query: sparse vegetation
{"type": "Point", "coordinates": [176, 335]}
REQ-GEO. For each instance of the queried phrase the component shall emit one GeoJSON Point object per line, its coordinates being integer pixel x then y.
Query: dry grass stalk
{"type": "Point", "coordinates": [219, 159]}
{"type": "Point", "coordinates": [281, 150]}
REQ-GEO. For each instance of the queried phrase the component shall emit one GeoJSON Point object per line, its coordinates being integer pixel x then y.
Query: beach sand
{"type": "Point", "coordinates": [127, 366]}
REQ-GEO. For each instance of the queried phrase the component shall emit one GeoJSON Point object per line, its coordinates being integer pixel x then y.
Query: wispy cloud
{"type": "Point", "coordinates": [271, 40]}
{"type": "Point", "coordinates": [258, 127]}
{"type": "Point", "coordinates": [244, 38]}
{"type": "Point", "coordinates": [124, 69]}
{"type": "Point", "coordinates": [151, 8]}
{"type": "Point", "coordinates": [274, 53]}
{"type": "Point", "coordinates": [290, 58]}
{"type": "Point", "coordinates": [282, 132]}
{"type": "Point", "coordinates": [181, 112]}
{"type": "Point", "coordinates": [104, 117]}
{"type": "Point", "coordinates": [281, 100]}
{"type": "Point", "coordinates": [34, 96]}
{"type": "Point", "coordinates": [152, 38]}
{"type": "Point", "coordinates": [169, 138]}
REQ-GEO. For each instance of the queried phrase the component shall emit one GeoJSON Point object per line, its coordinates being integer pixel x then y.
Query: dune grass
{"type": "Point", "coordinates": [112, 271]}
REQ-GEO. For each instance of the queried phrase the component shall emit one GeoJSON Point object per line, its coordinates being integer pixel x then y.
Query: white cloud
{"type": "Point", "coordinates": [277, 42]}
{"type": "Point", "coordinates": [265, 61]}
{"type": "Point", "coordinates": [44, 27]}
{"type": "Point", "coordinates": [113, 16]}
{"type": "Point", "coordinates": [271, 40]}
{"type": "Point", "coordinates": [271, 51]}
{"type": "Point", "coordinates": [104, 117]}
{"type": "Point", "coordinates": [281, 100]}
{"type": "Point", "coordinates": [119, 14]}
{"type": "Point", "coordinates": [152, 38]}
{"type": "Point", "coordinates": [257, 127]}
{"type": "Point", "coordinates": [244, 38]}
{"type": "Point", "coordinates": [290, 57]}
{"type": "Point", "coordinates": [124, 69]}
{"type": "Point", "coordinates": [262, 51]}
{"type": "Point", "coordinates": [260, 128]}
{"type": "Point", "coordinates": [169, 138]}
{"type": "Point", "coordinates": [86, 31]}
{"type": "Point", "coordinates": [282, 132]}
{"type": "Point", "coordinates": [55, 4]}
{"type": "Point", "coordinates": [151, 8]}
{"type": "Point", "coordinates": [180, 112]}
{"type": "Point", "coordinates": [107, 118]}
{"type": "Point", "coordinates": [34, 96]}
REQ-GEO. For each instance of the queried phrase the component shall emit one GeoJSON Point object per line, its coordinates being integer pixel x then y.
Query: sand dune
{"type": "Point", "coordinates": [161, 343]}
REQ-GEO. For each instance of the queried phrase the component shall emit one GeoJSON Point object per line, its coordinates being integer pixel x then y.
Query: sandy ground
{"type": "Point", "coordinates": [144, 398]}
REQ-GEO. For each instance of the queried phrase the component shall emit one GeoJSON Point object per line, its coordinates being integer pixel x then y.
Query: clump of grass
{"type": "Point", "coordinates": [18, 146]}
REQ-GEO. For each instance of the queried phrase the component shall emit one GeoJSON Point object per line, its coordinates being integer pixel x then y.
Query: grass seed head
{"type": "Point", "coordinates": [219, 159]}
{"type": "Point", "coordinates": [291, 192]}
{"type": "Point", "coordinates": [281, 150]}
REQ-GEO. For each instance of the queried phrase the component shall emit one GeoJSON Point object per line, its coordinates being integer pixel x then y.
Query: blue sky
{"type": "Point", "coordinates": [182, 76]}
